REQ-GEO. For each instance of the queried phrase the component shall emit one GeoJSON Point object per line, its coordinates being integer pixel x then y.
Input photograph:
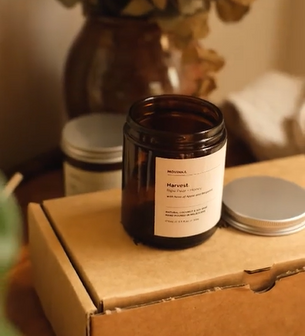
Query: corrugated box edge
{"type": "Point", "coordinates": [64, 300]}
{"type": "Point", "coordinates": [231, 312]}
{"type": "Point", "coordinates": [257, 282]}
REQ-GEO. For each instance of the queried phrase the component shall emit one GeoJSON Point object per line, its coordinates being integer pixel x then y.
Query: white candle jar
{"type": "Point", "coordinates": [92, 145]}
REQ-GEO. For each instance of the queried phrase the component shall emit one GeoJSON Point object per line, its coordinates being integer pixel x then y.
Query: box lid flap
{"type": "Point", "coordinates": [119, 273]}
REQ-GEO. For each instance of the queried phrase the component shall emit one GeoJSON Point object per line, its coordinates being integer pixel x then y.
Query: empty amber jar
{"type": "Point", "coordinates": [173, 167]}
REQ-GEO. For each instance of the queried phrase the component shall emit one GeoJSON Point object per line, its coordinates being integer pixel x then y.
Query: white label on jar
{"type": "Point", "coordinates": [78, 181]}
{"type": "Point", "coordinates": [188, 194]}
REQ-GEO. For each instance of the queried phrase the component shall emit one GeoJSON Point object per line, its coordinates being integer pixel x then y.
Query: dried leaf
{"type": "Point", "coordinates": [186, 29]}
{"type": "Point", "coordinates": [190, 55]}
{"type": "Point", "coordinates": [208, 59]}
{"type": "Point", "coordinates": [194, 27]}
{"type": "Point", "coordinates": [168, 25]}
{"type": "Point", "coordinates": [206, 86]}
{"type": "Point", "coordinates": [230, 11]}
{"type": "Point", "coordinates": [189, 7]}
{"type": "Point", "coordinates": [198, 65]}
{"type": "Point", "coordinates": [243, 2]}
{"type": "Point", "coordinates": [198, 25]}
{"type": "Point", "coordinates": [160, 4]}
{"type": "Point", "coordinates": [137, 8]}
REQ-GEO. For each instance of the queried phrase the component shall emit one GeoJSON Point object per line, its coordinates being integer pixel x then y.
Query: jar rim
{"type": "Point", "coordinates": [161, 102]}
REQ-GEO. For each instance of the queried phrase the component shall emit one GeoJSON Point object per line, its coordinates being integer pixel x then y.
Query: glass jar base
{"type": "Point", "coordinates": [166, 243]}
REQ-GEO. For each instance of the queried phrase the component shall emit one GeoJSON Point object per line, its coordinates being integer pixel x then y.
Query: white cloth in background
{"type": "Point", "coordinates": [272, 115]}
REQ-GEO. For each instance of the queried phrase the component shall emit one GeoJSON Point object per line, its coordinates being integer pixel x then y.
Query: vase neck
{"type": "Point", "coordinates": [98, 8]}
{"type": "Point", "coordinates": [123, 26]}
{"type": "Point", "coordinates": [97, 15]}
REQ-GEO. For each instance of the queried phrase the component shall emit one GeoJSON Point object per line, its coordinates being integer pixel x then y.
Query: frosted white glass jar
{"type": "Point", "coordinates": [92, 145]}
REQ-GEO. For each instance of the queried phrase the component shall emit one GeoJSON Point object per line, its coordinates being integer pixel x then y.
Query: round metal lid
{"type": "Point", "coordinates": [95, 138]}
{"type": "Point", "coordinates": [264, 205]}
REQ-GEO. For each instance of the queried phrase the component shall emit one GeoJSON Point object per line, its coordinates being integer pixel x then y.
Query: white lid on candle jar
{"type": "Point", "coordinates": [94, 138]}
{"type": "Point", "coordinates": [264, 205]}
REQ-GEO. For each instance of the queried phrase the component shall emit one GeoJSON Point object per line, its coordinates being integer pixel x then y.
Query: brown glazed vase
{"type": "Point", "coordinates": [114, 62]}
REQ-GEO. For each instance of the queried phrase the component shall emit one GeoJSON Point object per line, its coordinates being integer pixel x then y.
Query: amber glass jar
{"type": "Point", "coordinates": [116, 61]}
{"type": "Point", "coordinates": [173, 167]}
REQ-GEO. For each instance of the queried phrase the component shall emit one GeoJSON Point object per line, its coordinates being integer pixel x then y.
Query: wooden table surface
{"type": "Point", "coordinates": [23, 306]}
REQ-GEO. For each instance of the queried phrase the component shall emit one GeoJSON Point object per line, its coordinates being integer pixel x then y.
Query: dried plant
{"type": "Point", "coordinates": [186, 23]}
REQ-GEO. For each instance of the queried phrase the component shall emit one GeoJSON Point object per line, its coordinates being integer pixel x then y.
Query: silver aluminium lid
{"type": "Point", "coordinates": [94, 138]}
{"type": "Point", "coordinates": [264, 205]}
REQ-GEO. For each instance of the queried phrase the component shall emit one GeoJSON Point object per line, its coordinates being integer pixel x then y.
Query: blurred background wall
{"type": "Point", "coordinates": [35, 36]}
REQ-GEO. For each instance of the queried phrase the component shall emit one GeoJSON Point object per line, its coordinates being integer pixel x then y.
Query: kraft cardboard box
{"type": "Point", "coordinates": [93, 280]}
